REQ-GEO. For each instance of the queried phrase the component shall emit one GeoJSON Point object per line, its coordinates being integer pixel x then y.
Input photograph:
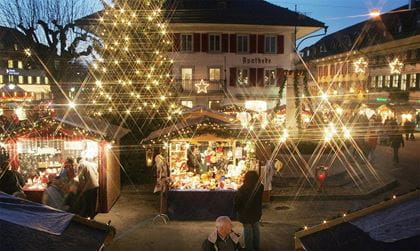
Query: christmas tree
{"type": "Point", "coordinates": [132, 76]}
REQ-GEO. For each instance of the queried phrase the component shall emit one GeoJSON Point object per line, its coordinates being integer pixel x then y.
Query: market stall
{"type": "Point", "coordinates": [39, 151]}
{"type": "Point", "coordinates": [207, 162]}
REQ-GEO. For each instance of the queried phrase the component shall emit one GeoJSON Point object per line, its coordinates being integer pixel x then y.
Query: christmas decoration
{"type": "Point", "coordinates": [202, 87]}
{"type": "Point", "coordinates": [360, 65]}
{"type": "Point", "coordinates": [396, 66]}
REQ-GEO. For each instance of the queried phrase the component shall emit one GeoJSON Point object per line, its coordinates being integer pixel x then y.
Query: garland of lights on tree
{"type": "Point", "coordinates": [133, 73]}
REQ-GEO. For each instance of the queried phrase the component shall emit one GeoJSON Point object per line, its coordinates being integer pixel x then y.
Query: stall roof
{"type": "Point", "coordinates": [26, 225]}
{"type": "Point", "coordinates": [390, 225]}
{"type": "Point", "coordinates": [99, 127]}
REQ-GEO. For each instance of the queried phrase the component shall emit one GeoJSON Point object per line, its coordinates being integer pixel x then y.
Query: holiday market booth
{"type": "Point", "coordinates": [207, 163]}
{"type": "Point", "coordinates": [39, 150]}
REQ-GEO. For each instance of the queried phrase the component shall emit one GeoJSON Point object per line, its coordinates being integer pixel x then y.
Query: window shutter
{"type": "Point", "coordinates": [177, 41]}
{"type": "Point", "coordinates": [196, 42]}
{"type": "Point", "coordinates": [204, 42]}
{"type": "Point", "coordinates": [233, 43]}
{"type": "Point", "coordinates": [260, 76]}
{"type": "Point", "coordinates": [253, 43]}
{"type": "Point", "coordinates": [279, 76]}
{"type": "Point", "coordinates": [280, 44]}
{"type": "Point", "coordinates": [225, 42]}
{"type": "Point", "coordinates": [261, 43]}
{"type": "Point", "coordinates": [232, 76]}
{"type": "Point", "coordinates": [253, 76]}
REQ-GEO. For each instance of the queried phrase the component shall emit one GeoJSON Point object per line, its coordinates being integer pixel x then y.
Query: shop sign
{"type": "Point", "coordinates": [381, 99]}
{"type": "Point", "coordinates": [256, 60]}
{"type": "Point", "coordinates": [12, 72]}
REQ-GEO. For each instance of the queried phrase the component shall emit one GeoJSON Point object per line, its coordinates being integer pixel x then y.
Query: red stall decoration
{"type": "Point", "coordinates": [39, 151]}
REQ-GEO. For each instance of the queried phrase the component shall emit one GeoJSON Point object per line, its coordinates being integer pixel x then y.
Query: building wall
{"type": "Point", "coordinates": [227, 90]}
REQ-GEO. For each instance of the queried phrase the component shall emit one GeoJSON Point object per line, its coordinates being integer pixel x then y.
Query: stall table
{"type": "Point", "coordinates": [34, 195]}
{"type": "Point", "coordinates": [200, 204]}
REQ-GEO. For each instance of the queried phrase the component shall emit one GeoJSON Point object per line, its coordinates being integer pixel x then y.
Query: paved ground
{"type": "Point", "coordinates": [134, 212]}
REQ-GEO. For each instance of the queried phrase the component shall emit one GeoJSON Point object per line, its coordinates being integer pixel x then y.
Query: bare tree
{"type": "Point", "coordinates": [49, 26]}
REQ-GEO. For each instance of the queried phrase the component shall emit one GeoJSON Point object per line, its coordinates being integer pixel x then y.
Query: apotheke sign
{"type": "Point", "coordinates": [256, 60]}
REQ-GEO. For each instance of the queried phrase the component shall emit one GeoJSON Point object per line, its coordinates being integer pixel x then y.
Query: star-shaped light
{"type": "Point", "coordinates": [360, 65]}
{"type": "Point", "coordinates": [396, 66]}
{"type": "Point", "coordinates": [202, 87]}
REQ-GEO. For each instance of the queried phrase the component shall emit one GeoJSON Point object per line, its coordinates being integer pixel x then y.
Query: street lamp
{"type": "Point", "coordinates": [374, 13]}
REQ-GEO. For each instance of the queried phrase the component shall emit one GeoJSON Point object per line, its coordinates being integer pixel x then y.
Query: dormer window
{"type": "Point", "coordinates": [399, 28]}
{"type": "Point", "coordinates": [322, 48]}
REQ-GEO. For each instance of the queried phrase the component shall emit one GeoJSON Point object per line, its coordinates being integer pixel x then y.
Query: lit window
{"type": "Point", "coordinates": [256, 105]}
{"type": "Point", "coordinates": [380, 81]}
{"type": "Point", "coordinates": [214, 74]}
{"type": "Point", "coordinates": [11, 78]}
{"type": "Point", "coordinates": [38, 80]}
{"type": "Point", "coordinates": [413, 80]}
{"type": "Point", "coordinates": [270, 44]}
{"type": "Point", "coordinates": [214, 43]}
{"type": "Point", "coordinates": [186, 42]}
{"type": "Point", "coordinates": [242, 43]}
{"type": "Point", "coordinates": [29, 79]}
{"type": "Point", "coordinates": [387, 81]}
{"type": "Point", "coordinates": [404, 82]}
{"type": "Point", "coordinates": [20, 79]}
{"type": "Point", "coordinates": [10, 63]}
{"type": "Point", "coordinates": [269, 77]}
{"type": "Point", "coordinates": [186, 77]}
{"type": "Point", "coordinates": [243, 77]}
{"type": "Point", "coordinates": [187, 103]}
{"type": "Point", "coordinates": [395, 80]}
{"type": "Point", "coordinates": [214, 104]}
{"type": "Point", "coordinates": [1, 79]}
{"type": "Point", "coordinates": [373, 81]}
{"type": "Point", "coordinates": [20, 64]}
{"type": "Point", "coordinates": [46, 80]}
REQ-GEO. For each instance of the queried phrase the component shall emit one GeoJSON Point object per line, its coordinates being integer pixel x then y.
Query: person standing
{"type": "Point", "coordinates": [223, 238]}
{"type": "Point", "coordinates": [54, 195]}
{"type": "Point", "coordinates": [397, 141]}
{"type": "Point", "coordinates": [89, 184]}
{"type": "Point", "coordinates": [10, 181]}
{"type": "Point", "coordinates": [371, 141]}
{"type": "Point", "coordinates": [248, 204]}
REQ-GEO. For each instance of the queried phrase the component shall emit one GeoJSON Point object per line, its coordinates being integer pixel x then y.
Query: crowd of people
{"type": "Point", "coordinates": [74, 190]}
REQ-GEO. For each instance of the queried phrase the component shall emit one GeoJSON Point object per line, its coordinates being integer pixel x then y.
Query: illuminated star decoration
{"type": "Point", "coordinates": [360, 65]}
{"type": "Point", "coordinates": [202, 87]}
{"type": "Point", "coordinates": [396, 66]}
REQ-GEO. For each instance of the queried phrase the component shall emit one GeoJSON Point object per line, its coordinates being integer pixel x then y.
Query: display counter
{"type": "Point", "coordinates": [200, 204]}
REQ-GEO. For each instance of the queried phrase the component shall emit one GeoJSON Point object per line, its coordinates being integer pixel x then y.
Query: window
{"type": "Point", "coordinates": [187, 103]}
{"type": "Point", "coordinates": [413, 80]}
{"type": "Point", "coordinates": [322, 48]}
{"type": "Point", "coordinates": [46, 80]}
{"type": "Point", "coordinates": [373, 81]}
{"type": "Point", "coordinates": [270, 44]}
{"type": "Point", "coordinates": [214, 104]}
{"type": "Point", "coordinates": [395, 80]}
{"type": "Point", "coordinates": [20, 64]}
{"type": "Point", "coordinates": [242, 43]}
{"type": "Point", "coordinates": [10, 63]}
{"type": "Point", "coordinates": [186, 77]}
{"type": "Point", "coordinates": [11, 78]}
{"type": "Point", "coordinates": [404, 82]}
{"type": "Point", "coordinates": [243, 77]}
{"type": "Point", "coordinates": [20, 79]}
{"type": "Point", "coordinates": [186, 42]}
{"type": "Point", "coordinates": [29, 79]}
{"type": "Point", "coordinates": [256, 105]}
{"type": "Point", "coordinates": [38, 80]}
{"type": "Point", "coordinates": [269, 77]}
{"type": "Point", "coordinates": [380, 81]}
{"type": "Point", "coordinates": [215, 43]}
{"type": "Point", "coordinates": [1, 79]}
{"type": "Point", "coordinates": [214, 74]}
{"type": "Point", "coordinates": [387, 81]}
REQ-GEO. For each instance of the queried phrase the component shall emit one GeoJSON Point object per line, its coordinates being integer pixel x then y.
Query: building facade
{"type": "Point", "coordinates": [234, 52]}
{"type": "Point", "coordinates": [377, 60]}
{"type": "Point", "coordinates": [21, 78]}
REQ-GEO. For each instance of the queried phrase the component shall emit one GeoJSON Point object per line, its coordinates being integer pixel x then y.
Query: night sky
{"type": "Point", "coordinates": [338, 14]}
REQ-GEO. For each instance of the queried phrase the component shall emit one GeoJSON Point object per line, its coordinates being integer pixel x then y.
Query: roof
{"type": "Point", "coordinates": [396, 24]}
{"type": "Point", "coordinates": [389, 225]}
{"type": "Point", "coordinates": [250, 12]}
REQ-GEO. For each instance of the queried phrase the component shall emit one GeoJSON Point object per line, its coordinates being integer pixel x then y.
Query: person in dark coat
{"type": "Point", "coordinates": [248, 204]}
{"type": "Point", "coordinates": [397, 141]}
{"type": "Point", "coordinates": [10, 181]}
{"type": "Point", "coordinates": [223, 238]}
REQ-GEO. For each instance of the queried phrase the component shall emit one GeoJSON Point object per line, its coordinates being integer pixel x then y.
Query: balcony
{"type": "Point", "coordinates": [200, 86]}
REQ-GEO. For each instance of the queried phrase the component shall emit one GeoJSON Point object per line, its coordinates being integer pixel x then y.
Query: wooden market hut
{"type": "Point", "coordinates": [63, 135]}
